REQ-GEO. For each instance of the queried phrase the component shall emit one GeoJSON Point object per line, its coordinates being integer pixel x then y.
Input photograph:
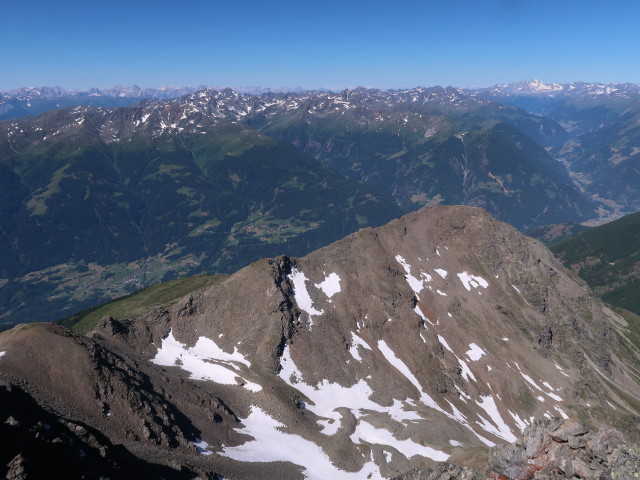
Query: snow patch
{"type": "Point", "coordinates": [472, 281]}
{"type": "Point", "coordinates": [202, 447]}
{"type": "Point", "coordinates": [269, 444]}
{"type": "Point", "coordinates": [204, 361]}
{"type": "Point", "coordinates": [377, 436]}
{"type": "Point", "coordinates": [299, 279]}
{"type": "Point", "coordinates": [415, 284]}
{"type": "Point", "coordinates": [326, 397]}
{"type": "Point", "coordinates": [503, 431]}
{"type": "Point", "coordinates": [474, 353]}
{"type": "Point", "coordinates": [466, 371]}
{"type": "Point", "coordinates": [441, 272]}
{"type": "Point", "coordinates": [554, 396]}
{"type": "Point", "coordinates": [455, 443]}
{"type": "Point", "coordinates": [562, 413]}
{"type": "Point", "coordinates": [398, 364]}
{"type": "Point", "coordinates": [356, 342]}
{"type": "Point", "coordinates": [419, 312]}
{"type": "Point", "coordinates": [2, 354]}
{"type": "Point", "coordinates": [521, 424]}
{"type": "Point", "coordinates": [330, 285]}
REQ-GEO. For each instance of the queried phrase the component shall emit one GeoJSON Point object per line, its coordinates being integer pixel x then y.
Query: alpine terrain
{"type": "Point", "coordinates": [99, 202]}
{"type": "Point", "coordinates": [431, 339]}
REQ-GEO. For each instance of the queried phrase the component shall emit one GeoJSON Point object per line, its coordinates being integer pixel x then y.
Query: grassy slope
{"type": "Point", "coordinates": [608, 258]}
{"type": "Point", "coordinates": [140, 302]}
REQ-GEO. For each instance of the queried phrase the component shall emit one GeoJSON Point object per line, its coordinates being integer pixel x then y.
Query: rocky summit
{"type": "Point", "coordinates": [431, 339]}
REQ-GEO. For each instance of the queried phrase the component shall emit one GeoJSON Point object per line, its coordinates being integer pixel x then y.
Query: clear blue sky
{"type": "Point", "coordinates": [333, 43]}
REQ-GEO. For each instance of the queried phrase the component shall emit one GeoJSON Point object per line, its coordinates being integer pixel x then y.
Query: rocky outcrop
{"type": "Point", "coordinates": [444, 471]}
{"type": "Point", "coordinates": [551, 449]}
{"type": "Point", "coordinates": [559, 449]}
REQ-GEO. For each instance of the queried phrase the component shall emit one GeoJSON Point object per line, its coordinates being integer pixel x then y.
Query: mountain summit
{"type": "Point", "coordinates": [429, 339]}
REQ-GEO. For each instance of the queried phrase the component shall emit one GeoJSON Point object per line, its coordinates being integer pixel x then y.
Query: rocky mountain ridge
{"type": "Point", "coordinates": [432, 338]}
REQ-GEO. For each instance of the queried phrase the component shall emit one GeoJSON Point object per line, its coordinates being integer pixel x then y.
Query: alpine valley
{"type": "Point", "coordinates": [98, 202]}
{"type": "Point", "coordinates": [430, 339]}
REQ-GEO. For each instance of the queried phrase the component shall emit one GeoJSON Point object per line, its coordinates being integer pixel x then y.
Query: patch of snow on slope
{"type": "Point", "coordinates": [515, 288]}
{"type": "Point", "coordinates": [561, 370]}
{"type": "Point", "coordinates": [521, 424]}
{"type": "Point", "coordinates": [441, 293]}
{"type": "Point", "coordinates": [298, 278]}
{"type": "Point", "coordinates": [466, 371]}
{"type": "Point", "coordinates": [2, 353]}
{"type": "Point", "coordinates": [557, 398]}
{"type": "Point", "coordinates": [330, 426]}
{"type": "Point", "coordinates": [330, 285]}
{"type": "Point", "coordinates": [269, 444]}
{"type": "Point", "coordinates": [399, 414]}
{"type": "Point", "coordinates": [368, 433]}
{"type": "Point", "coordinates": [202, 447]}
{"type": "Point", "coordinates": [204, 361]}
{"type": "Point", "coordinates": [474, 352]}
{"type": "Point", "coordinates": [398, 364]}
{"type": "Point", "coordinates": [441, 272]}
{"type": "Point", "coordinates": [503, 431]}
{"type": "Point", "coordinates": [469, 281]}
{"type": "Point", "coordinates": [415, 284]}
{"type": "Point", "coordinates": [419, 312]}
{"type": "Point", "coordinates": [444, 343]}
{"type": "Point", "coordinates": [562, 413]}
{"type": "Point", "coordinates": [356, 342]}
{"type": "Point", "coordinates": [528, 379]}
{"type": "Point", "coordinates": [326, 396]}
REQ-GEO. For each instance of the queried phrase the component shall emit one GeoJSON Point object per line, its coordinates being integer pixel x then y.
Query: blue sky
{"type": "Point", "coordinates": [333, 44]}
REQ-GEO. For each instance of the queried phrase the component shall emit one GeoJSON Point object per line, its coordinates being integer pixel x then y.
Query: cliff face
{"type": "Point", "coordinates": [430, 339]}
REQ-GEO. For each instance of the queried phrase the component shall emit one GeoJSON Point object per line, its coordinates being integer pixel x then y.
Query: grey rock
{"type": "Point", "coordinates": [444, 471]}
{"type": "Point", "coordinates": [625, 463]}
{"type": "Point", "coordinates": [567, 429]}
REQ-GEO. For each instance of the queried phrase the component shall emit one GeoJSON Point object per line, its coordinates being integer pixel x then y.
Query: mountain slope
{"type": "Point", "coordinates": [99, 203]}
{"type": "Point", "coordinates": [602, 141]}
{"type": "Point", "coordinates": [608, 258]}
{"type": "Point", "coordinates": [437, 145]}
{"type": "Point", "coordinates": [428, 339]}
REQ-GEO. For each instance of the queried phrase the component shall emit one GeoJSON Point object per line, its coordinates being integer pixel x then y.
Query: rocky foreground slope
{"type": "Point", "coordinates": [431, 339]}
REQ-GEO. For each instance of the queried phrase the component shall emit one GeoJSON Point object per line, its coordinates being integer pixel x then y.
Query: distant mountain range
{"type": "Point", "coordinates": [96, 202]}
{"type": "Point", "coordinates": [34, 100]}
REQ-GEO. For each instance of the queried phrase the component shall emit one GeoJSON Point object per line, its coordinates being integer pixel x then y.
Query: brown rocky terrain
{"type": "Point", "coordinates": [551, 449]}
{"type": "Point", "coordinates": [431, 339]}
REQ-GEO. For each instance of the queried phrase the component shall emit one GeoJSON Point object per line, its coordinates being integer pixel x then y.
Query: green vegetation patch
{"type": "Point", "coordinates": [140, 302]}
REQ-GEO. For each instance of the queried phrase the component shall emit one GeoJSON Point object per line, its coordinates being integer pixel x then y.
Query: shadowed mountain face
{"type": "Point", "coordinates": [96, 203]}
{"type": "Point", "coordinates": [429, 339]}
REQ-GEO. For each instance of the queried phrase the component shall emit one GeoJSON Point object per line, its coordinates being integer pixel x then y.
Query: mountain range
{"type": "Point", "coordinates": [98, 202]}
{"type": "Point", "coordinates": [430, 339]}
